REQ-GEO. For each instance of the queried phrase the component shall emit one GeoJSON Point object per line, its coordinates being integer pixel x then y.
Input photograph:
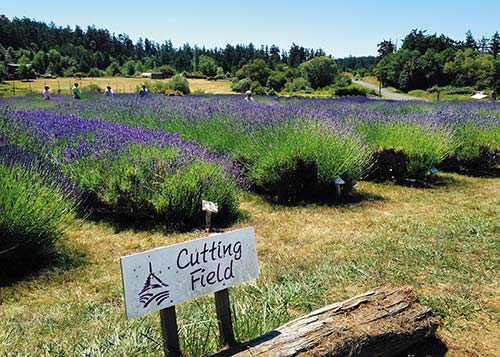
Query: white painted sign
{"type": "Point", "coordinates": [209, 207]}
{"type": "Point", "coordinates": [166, 276]}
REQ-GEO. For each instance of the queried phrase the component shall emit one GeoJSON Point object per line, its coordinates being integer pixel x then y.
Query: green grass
{"type": "Point", "coordinates": [420, 93]}
{"type": "Point", "coordinates": [442, 241]}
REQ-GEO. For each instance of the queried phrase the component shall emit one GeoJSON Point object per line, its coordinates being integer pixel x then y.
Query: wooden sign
{"type": "Point", "coordinates": [166, 276]}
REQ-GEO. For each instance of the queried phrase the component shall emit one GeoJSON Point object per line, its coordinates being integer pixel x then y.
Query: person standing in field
{"type": "Point", "coordinates": [108, 92]}
{"type": "Point", "coordinates": [46, 93]}
{"type": "Point", "coordinates": [248, 96]}
{"type": "Point", "coordinates": [143, 92]}
{"type": "Point", "coordinates": [77, 94]}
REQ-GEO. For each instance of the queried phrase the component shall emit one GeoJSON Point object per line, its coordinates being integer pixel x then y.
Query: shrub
{"type": "Point", "coordinates": [95, 72]}
{"type": "Point", "coordinates": [343, 81]}
{"type": "Point", "coordinates": [242, 85]}
{"type": "Point", "coordinates": [452, 90]}
{"type": "Point", "coordinates": [169, 71]}
{"type": "Point", "coordinates": [271, 92]}
{"type": "Point", "coordinates": [276, 81]}
{"type": "Point", "coordinates": [256, 88]}
{"type": "Point", "coordinates": [256, 70]}
{"type": "Point", "coordinates": [70, 72]}
{"type": "Point", "coordinates": [178, 83]}
{"type": "Point", "coordinates": [319, 71]}
{"type": "Point", "coordinates": [350, 90]}
{"type": "Point", "coordinates": [219, 74]}
{"type": "Point", "coordinates": [193, 75]}
{"type": "Point", "coordinates": [478, 151]}
{"type": "Point", "coordinates": [415, 148]}
{"type": "Point", "coordinates": [113, 69]}
{"type": "Point", "coordinates": [121, 169]}
{"type": "Point", "coordinates": [91, 88]}
{"type": "Point", "coordinates": [175, 93]}
{"type": "Point", "coordinates": [297, 84]}
{"type": "Point", "coordinates": [143, 186]}
{"type": "Point", "coordinates": [304, 162]}
{"type": "Point", "coordinates": [79, 75]}
{"type": "Point", "coordinates": [25, 72]}
{"type": "Point", "coordinates": [36, 208]}
{"type": "Point", "coordinates": [3, 72]}
{"type": "Point", "coordinates": [208, 67]}
{"type": "Point", "coordinates": [154, 86]}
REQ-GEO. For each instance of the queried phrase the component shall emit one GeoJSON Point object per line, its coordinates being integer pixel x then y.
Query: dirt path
{"type": "Point", "coordinates": [387, 93]}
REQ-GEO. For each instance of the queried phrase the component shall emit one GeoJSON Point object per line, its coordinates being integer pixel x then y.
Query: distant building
{"type": "Point", "coordinates": [13, 67]}
{"type": "Point", "coordinates": [146, 75]}
{"type": "Point", "coordinates": [158, 75]}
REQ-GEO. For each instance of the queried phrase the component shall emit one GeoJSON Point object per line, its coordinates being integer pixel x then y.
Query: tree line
{"type": "Point", "coordinates": [422, 62]}
{"type": "Point", "coordinates": [46, 48]}
{"type": "Point", "coordinates": [432, 62]}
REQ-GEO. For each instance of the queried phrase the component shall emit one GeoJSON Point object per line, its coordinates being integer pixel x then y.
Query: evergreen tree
{"type": "Point", "coordinates": [495, 45]}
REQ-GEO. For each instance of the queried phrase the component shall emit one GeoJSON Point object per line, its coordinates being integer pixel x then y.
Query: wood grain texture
{"type": "Point", "coordinates": [380, 322]}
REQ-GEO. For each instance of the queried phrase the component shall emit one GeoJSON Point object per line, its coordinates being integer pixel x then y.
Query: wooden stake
{"type": "Point", "coordinates": [208, 220]}
{"type": "Point", "coordinates": [224, 317]}
{"type": "Point", "coordinates": [169, 332]}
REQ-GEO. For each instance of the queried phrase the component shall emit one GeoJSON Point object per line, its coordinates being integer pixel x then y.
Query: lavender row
{"type": "Point", "coordinates": [130, 170]}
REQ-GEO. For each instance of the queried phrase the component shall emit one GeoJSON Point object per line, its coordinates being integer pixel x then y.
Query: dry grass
{"type": "Point", "coordinates": [371, 79]}
{"type": "Point", "coordinates": [442, 241]}
{"type": "Point", "coordinates": [118, 84]}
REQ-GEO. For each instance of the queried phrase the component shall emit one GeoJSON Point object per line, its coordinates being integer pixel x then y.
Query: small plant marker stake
{"type": "Point", "coordinates": [433, 171]}
{"type": "Point", "coordinates": [169, 331]}
{"type": "Point", "coordinates": [209, 208]}
{"type": "Point", "coordinates": [208, 220]}
{"type": "Point", "coordinates": [223, 309]}
{"type": "Point", "coordinates": [338, 184]}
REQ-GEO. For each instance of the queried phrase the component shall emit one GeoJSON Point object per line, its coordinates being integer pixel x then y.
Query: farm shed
{"type": "Point", "coordinates": [157, 75]}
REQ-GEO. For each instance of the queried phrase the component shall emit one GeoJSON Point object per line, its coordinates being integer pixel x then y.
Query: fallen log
{"type": "Point", "coordinates": [377, 323]}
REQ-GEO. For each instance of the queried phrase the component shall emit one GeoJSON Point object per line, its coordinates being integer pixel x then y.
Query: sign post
{"type": "Point", "coordinates": [209, 208]}
{"type": "Point", "coordinates": [223, 308]}
{"type": "Point", "coordinates": [158, 279]}
{"type": "Point", "coordinates": [169, 332]}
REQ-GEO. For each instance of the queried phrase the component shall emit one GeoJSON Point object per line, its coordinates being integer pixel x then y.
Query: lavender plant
{"type": "Point", "coordinates": [37, 204]}
{"type": "Point", "coordinates": [147, 174]}
{"type": "Point", "coordinates": [291, 152]}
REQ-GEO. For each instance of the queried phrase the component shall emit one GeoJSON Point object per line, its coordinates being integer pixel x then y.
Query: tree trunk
{"type": "Point", "coordinates": [377, 323]}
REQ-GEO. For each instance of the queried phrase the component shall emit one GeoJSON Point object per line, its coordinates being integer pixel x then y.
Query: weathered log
{"type": "Point", "coordinates": [381, 322]}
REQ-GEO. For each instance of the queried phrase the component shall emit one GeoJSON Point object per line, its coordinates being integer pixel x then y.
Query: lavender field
{"type": "Point", "coordinates": [66, 166]}
{"type": "Point", "coordinates": [152, 161]}
{"type": "Point", "coordinates": [160, 157]}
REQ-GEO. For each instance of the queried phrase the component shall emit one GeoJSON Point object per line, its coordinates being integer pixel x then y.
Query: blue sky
{"type": "Point", "coordinates": [341, 28]}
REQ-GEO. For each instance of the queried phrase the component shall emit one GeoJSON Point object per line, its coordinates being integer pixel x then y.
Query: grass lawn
{"type": "Point", "coordinates": [419, 93]}
{"type": "Point", "coordinates": [118, 84]}
{"type": "Point", "coordinates": [443, 241]}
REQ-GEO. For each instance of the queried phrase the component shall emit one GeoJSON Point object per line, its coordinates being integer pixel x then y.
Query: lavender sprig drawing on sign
{"type": "Point", "coordinates": [153, 290]}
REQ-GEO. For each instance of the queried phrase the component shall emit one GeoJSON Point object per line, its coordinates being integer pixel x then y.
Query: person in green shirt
{"type": "Point", "coordinates": [76, 92]}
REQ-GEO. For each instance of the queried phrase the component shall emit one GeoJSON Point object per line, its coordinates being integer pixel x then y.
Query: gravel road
{"type": "Point", "coordinates": [387, 93]}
